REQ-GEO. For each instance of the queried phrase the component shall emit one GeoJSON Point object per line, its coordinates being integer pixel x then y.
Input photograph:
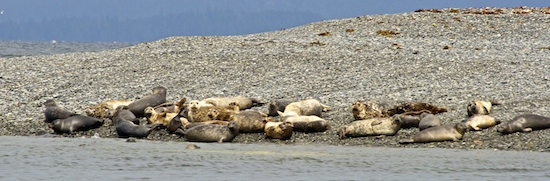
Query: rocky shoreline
{"type": "Point", "coordinates": [443, 57]}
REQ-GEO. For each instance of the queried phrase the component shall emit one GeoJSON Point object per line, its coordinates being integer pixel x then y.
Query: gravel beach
{"type": "Point", "coordinates": [443, 57]}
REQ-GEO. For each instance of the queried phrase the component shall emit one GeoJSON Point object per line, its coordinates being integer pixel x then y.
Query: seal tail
{"type": "Point", "coordinates": [257, 102]}
{"type": "Point", "coordinates": [406, 141]}
{"type": "Point", "coordinates": [495, 102]}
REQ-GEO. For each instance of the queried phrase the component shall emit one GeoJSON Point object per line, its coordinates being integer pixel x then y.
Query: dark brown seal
{"type": "Point", "coordinates": [524, 123]}
{"type": "Point", "coordinates": [453, 132]}
{"type": "Point", "coordinates": [53, 112]}
{"type": "Point", "coordinates": [75, 123]}
{"type": "Point", "coordinates": [481, 107]}
{"type": "Point", "coordinates": [362, 110]}
{"type": "Point", "coordinates": [278, 130]}
{"type": "Point", "coordinates": [212, 133]}
{"type": "Point", "coordinates": [158, 97]}
{"type": "Point", "coordinates": [278, 105]}
{"type": "Point", "coordinates": [416, 107]}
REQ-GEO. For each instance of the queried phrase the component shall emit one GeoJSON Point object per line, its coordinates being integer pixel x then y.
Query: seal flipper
{"type": "Point", "coordinates": [527, 129]}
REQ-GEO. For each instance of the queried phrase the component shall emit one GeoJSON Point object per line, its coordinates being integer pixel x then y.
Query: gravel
{"type": "Point", "coordinates": [445, 58]}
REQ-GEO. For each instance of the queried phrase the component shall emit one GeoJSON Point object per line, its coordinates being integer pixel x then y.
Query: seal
{"type": "Point", "coordinates": [305, 107]}
{"type": "Point", "coordinates": [188, 125]}
{"type": "Point", "coordinates": [223, 114]}
{"type": "Point", "coordinates": [452, 132]}
{"type": "Point", "coordinates": [415, 107]}
{"type": "Point", "coordinates": [200, 113]}
{"type": "Point", "coordinates": [160, 115]}
{"type": "Point", "coordinates": [53, 112]}
{"type": "Point", "coordinates": [369, 109]}
{"type": "Point", "coordinates": [428, 120]}
{"type": "Point", "coordinates": [158, 97]}
{"type": "Point", "coordinates": [250, 121]}
{"type": "Point", "coordinates": [125, 128]}
{"type": "Point", "coordinates": [387, 126]}
{"type": "Point", "coordinates": [100, 109]}
{"type": "Point", "coordinates": [197, 103]}
{"type": "Point", "coordinates": [479, 121]}
{"type": "Point", "coordinates": [278, 130]}
{"type": "Point", "coordinates": [75, 123]}
{"type": "Point", "coordinates": [307, 124]}
{"type": "Point", "coordinates": [409, 120]}
{"type": "Point", "coordinates": [243, 102]}
{"type": "Point", "coordinates": [524, 123]}
{"type": "Point", "coordinates": [212, 133]}
{"type": "Point", "coordinates": [481, 107]}
{"type": "Point", "coordinates": [127, 115]}
{"type": "Point", "coordinates": [278, 105]}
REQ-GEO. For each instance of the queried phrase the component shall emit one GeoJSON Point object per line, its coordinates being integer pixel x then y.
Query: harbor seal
{"type": "Point", "coordinates": [278, 105]}
{"type": "Point", "coordinates": [524, 123]}
{"type": "Point", "coordinates": [75, 123]}
{"type": "Point", "coordinates": [305, 107]}
{"type": "Point", "coordinates": [250, 121]}
{"type": "Point", "coordinates": [160, 115]}
{"type": "Point", "coordinates": [428, 120]}
{"type": "Point", "coordinates": [200, 113]}
{"type": "Point", "coordinates": [53, 112]}
{"type": "Point", "coordinates": [125, 128]}
{"type": "Point", "coordinates": [243, 102]}
{"type": "Point", "coordinates": [100, 109]}
{"type": "Point", "coordinates": [481, 107]}
{"type": "Point", "coordinates": [157, 97]}
{"type": "Point", "coordinates": [113, 114]}
{"type": "Point", "coordinates": [387, 126]}
{"type": "Point", "coordinates": [369, 109]}
{"type": "Point", "coordinates": [212, 133]}
{"type": "Point", "coordinates": [223, 114]}
{"type": "Point", "coordinates": [415, 107]}
{"type": "Point", "coordinates": [479, 121]}
{"type": "Point", "coordinates": [278, 130]}
{"type": "Point", "coordinates": [452, 132]}
{"type": "Point", "coordinates": [307, 124]}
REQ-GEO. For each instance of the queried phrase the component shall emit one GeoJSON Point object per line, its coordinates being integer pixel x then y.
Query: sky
{"type": "Point", "coordinates": [40, 20]}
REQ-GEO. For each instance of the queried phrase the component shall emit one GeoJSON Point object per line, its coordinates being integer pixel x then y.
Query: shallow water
{"type": "Point", "coordinates": [37, 158]}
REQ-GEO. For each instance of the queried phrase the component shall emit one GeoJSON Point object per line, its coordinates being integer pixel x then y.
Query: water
{"type": "Point", "coordinates": [37, 158]}
{"type": "Point", "coordinates": [25, 48]}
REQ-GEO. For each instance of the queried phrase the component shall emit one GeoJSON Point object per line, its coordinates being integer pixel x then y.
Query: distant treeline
{"type": "Point", "coordinates": [109, 29]}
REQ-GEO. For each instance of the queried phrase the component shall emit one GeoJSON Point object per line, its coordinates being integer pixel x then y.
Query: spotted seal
{"type": "Point", "coordinates": [100, 109]}
{"type": "Point", "coordinates": [387, 126]}
{"type": "Point", "coordinates": [307, 124]}
{"type": "Point", "coordinates": [278, 130]}
{"type": "Point", "coordinates": [428, 120]}
{"type": "Point", "coordinates": [212, 133]}
{"type": "Point", "coordinates": [481, 107]}
{"type": "Point", "coordinates": [243, 102]}
{"type": "Point", "coordinates": [250, 121]}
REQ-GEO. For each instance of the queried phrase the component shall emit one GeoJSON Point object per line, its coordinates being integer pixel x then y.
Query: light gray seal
{"type": "Point", "coordinates": [75, 123]}
{"type": "Point", "coordinates": [212, 133]}
{"type": "Point", "coordinates": [453, 132]}
{"type": "Point", "coordinates": [524, 123]}
{"type": "Point", "coordinates": [387, 126]}
{"type": "Point", "coordinates": [428, 120]}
